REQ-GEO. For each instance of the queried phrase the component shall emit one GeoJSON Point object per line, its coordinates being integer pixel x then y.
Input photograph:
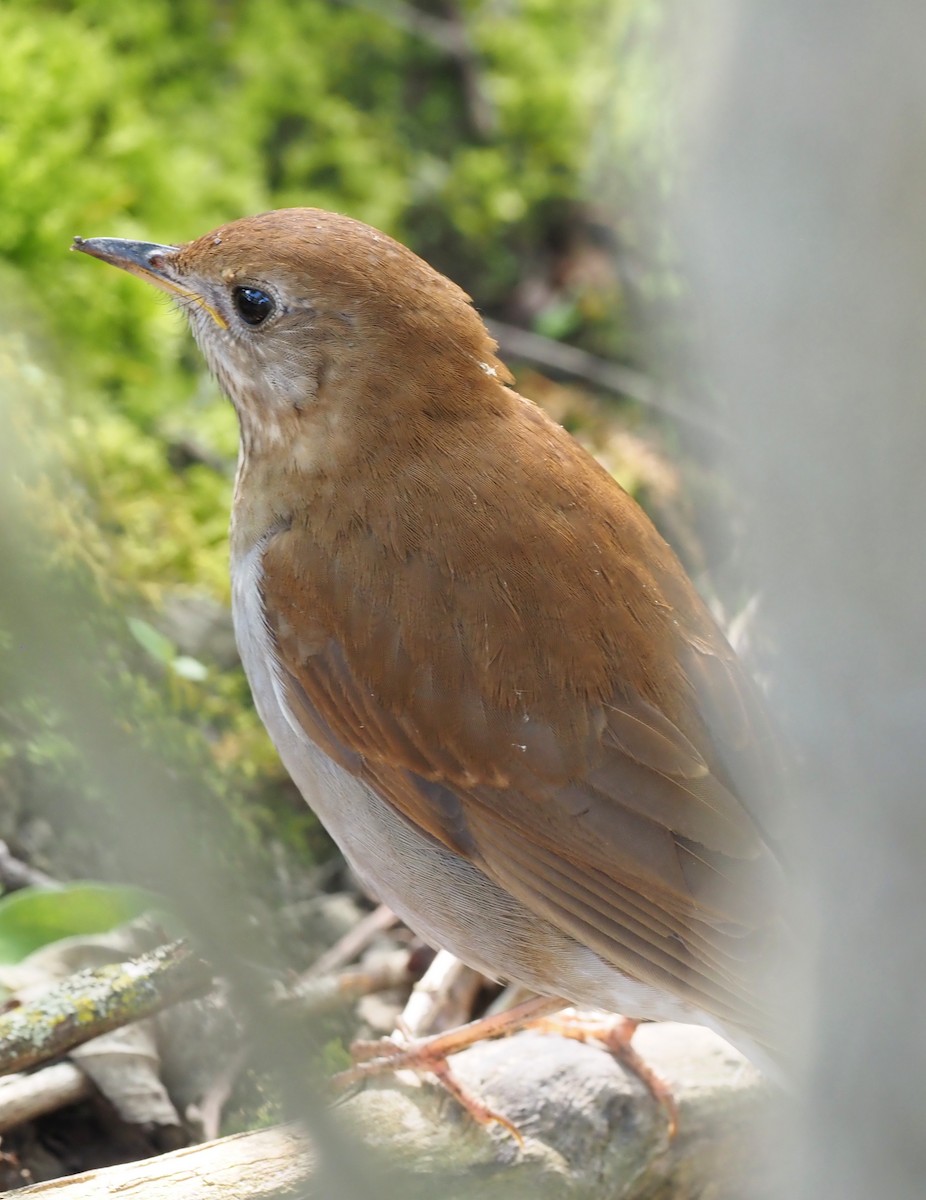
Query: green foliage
{"type": "Point", "coordinates": [34, 917]}
{"type": "Point", "coordinates": [191, 713]}
{"type": "Point", "coordinates": [159, 120]}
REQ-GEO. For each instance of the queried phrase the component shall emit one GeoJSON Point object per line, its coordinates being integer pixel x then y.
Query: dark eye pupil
{"type": "Point", "coordinates": [253, 305]}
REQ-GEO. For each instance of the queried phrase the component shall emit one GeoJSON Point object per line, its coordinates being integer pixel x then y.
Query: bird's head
{"type": "Point", "coordinates": [311, 319]}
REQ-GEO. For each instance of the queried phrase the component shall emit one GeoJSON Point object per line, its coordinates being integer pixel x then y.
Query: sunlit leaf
{"type": "Point", "coordinates": [34, 917]}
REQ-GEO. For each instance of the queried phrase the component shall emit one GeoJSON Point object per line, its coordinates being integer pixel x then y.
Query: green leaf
{"type": "Point", "coordinates": [160, 648]}
{"type": "Point", "coordinates": [34, 917]}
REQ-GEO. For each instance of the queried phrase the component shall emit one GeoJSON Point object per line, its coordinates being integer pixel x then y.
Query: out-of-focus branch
{"type": "Point", "coordinates": [449, 35]}
{"type": "Point", "coordinates": [574, 363]}
{"type": "Point", "coordinates": [806, 229]}
{"type": "Point", "coordinates": [354, 942]}
{"type": "Point", "coordinates": [16, 874]}
{"type": "Point", "coordinates": [327, 993]}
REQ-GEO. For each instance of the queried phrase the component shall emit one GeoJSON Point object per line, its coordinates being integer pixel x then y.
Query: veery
{"type": "Point", "coordinates": [480, 663]}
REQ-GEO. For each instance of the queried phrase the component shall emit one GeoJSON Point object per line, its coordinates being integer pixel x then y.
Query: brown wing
{"type": "Point", "coordinates": [570, 721]}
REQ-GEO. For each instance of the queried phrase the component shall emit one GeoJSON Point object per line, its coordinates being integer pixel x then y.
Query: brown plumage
{"type": "Point", "coordinates": [477, 657]}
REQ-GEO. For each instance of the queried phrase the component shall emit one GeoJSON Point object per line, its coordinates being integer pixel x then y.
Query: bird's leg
{"type": "Point", "coordinates": [431, 1053]}
{"type": "Point", "coordinates": [615, 1034]}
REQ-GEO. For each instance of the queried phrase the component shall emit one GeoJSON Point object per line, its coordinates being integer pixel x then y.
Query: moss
{"type": "Point", "coordinates": [85, 530]}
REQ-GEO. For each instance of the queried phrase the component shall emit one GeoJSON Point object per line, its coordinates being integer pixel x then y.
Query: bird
{"type": "Point", "coordinates": [480, 663]}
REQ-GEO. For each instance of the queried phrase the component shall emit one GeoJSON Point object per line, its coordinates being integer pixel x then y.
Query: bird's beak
{"type": "Point", "coordinates": [149, 261]}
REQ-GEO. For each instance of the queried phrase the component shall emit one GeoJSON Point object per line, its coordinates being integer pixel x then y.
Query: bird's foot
{"type": "Point", "coordinates": [615, 1034]}
{"type": "Point", "coordinates": [429, 1055]}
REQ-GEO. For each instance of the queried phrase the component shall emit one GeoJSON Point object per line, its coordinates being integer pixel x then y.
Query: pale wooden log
{"type": "Point", "coordinates": [247, 1166]}
{"type": "Point", "coordinates": [25, 1097]}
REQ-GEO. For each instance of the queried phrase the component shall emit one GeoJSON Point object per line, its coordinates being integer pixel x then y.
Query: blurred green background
{"type": "Point", "coordinates": [504, 140]}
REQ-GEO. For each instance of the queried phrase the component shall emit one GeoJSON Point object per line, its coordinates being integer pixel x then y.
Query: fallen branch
{"type": "Point", "coordinates": [96, 1001]}
{"type": "Point", "coordinates": [25, 1097]}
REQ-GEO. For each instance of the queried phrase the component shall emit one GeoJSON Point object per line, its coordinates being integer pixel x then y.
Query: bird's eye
{"type": "Point", "coordinates": [252, 305]}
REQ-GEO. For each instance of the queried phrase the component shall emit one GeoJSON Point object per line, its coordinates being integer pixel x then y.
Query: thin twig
{"type": "Point", "coordinates": [16, 874]}
{"type": "Point", "coordinates": [353, 943]}
{"type": "Point", "coordinates": [221, 1088]}
{"type": "Point", "coordinates": [326, 993]}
